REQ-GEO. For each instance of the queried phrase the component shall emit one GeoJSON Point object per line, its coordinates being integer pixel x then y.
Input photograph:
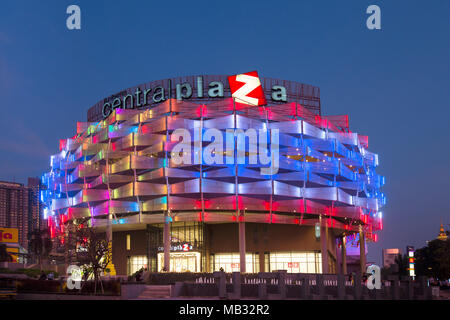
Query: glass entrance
{"type": "Point", "coordinates": [181, 261]}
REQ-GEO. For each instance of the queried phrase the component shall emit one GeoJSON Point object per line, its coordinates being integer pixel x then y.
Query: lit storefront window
{"type": "Point", "coordinates": [230, 262]}
{"type": "Point", "coordinates": [295, 262]}
{"type": "Point", "coordinates": [135, 263]}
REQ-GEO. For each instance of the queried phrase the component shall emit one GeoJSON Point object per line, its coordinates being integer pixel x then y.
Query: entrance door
{"type": "Point", "coordinates": [181, 261]}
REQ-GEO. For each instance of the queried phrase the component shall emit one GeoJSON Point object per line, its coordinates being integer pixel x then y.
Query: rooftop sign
{"type": "Point", "coordinates": [245, 88]}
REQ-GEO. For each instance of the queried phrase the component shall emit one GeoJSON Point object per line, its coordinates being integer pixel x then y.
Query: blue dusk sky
{"type": "Point", "coordinates": [393, 83]}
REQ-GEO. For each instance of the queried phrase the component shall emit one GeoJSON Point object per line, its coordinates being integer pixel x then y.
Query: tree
{"type": "Point", "coordinates": [402, 265]}
{"type": "Point", "coordinates": [4, 255]}
{"type": "Point", "coordinates": [89, 248]}
{"type": "Point", "coordinates": [433, 260]}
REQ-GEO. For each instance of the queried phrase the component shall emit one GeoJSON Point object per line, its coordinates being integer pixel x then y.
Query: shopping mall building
{"type": "Point", "coordinates": [295, 205]}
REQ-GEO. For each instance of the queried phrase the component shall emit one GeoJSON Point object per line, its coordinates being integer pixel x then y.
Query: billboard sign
{"type": "Point", "coordinates": [410, 253]}
{"type": "Point", "coordinates": [9, 235]}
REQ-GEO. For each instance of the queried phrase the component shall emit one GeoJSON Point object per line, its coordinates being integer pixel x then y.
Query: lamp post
{"type": "Point", "coordinates": [241, 224]}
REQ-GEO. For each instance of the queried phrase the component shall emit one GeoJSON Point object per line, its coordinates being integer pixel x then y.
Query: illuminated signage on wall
{"type": "Point", "coordinates": [246, 87]}
{"type": "Point", "coordinates": [184, 247]}
{"type": "Point", "coordinates": [9, 235]}
{"type": "Point", "coordinates": [235, 265]}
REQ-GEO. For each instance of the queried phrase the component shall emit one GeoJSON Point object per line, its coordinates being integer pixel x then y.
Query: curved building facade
{"type": "Point", "coordinates": [185, 176]}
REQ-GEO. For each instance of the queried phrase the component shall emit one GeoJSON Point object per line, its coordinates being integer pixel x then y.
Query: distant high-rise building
{"type": "Point", "coordinates": [389, 256]}
{"type": "Point", "coordinates": [20, 207]}
{"type": "Point", "coordinates": [35, 205]}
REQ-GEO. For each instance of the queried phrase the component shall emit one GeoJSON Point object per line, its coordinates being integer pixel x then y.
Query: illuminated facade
{"type": "Point", "coordinates": [119, 170]}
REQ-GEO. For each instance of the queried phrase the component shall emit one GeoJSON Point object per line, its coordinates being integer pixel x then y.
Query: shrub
{"type": "Point", "coordinates": [111, 287]}
{"type": "Point", "coordinates": [41, 286]}
{"type": "Point", "coordinates": [32, 273]}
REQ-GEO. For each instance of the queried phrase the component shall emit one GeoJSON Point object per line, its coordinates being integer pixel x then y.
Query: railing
{"type": "Point", "coordinates": [281, 285]}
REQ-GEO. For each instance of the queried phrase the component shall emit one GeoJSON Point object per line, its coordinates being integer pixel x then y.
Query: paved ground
{"type": "Point", "coordinates": [38, 296]}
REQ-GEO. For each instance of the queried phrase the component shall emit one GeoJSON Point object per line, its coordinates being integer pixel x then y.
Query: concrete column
{"type": "Point", "coordinates": [362, 250]}
{"type": "Point", "coordinates": [109, 228]}
{"type": "Point", "coordinates": [320, 285]}
{"type": "Point", "coordinates": [262, 290]}
{"type": "Point", "coordinates": [305, 288]}
{"type": "Point", "coordinates": [177, 289]}
{"type": "Point", "coordinates": [282, 284]}
{"type": "Point", "coordinates": [222, 283]}
{"type": "Point", "coordinates": [324, 248]}
{"type": "Point", "coordinates": [148, 245]}
{"type": "Point", "coordinates": [242, 242]}
{"type": "Point", "coordinates": [206, 245]}
{"type": "Point", "coordinates": [357, 287]}
{"type": "Point", "coordinates": [341, 286]}
{"type": "Point", "coordinates": [109, 238]}
{"type": "Point", "coordinates": [262, 261]}
{"type": "Point", "coordinates": [344, 255]}
{"type": "Point", "coordinates": [166, 239]}
{"type": "Point", "coordinates": [338, 259]}
{"type": "Point", "coordinates": [236, 276]}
